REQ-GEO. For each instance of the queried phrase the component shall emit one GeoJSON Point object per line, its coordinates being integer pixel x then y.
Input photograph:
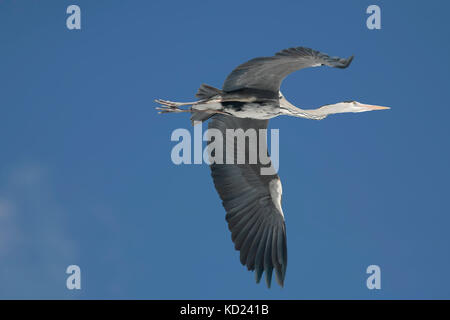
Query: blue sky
{"type": "Point", "coordinates": [86, 176]}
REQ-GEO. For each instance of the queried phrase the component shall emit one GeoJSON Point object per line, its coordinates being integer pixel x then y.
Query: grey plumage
{"type": "Point", "coordinates": [205, 92]}
{"type": "Point", "coordinates": [267, 73]}
{"type": "Point", "coordinates": [257, 227]}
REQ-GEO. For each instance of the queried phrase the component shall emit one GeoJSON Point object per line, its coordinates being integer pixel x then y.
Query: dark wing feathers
{"type": "Point", "coordinates": [267, 73]}
{"type": "Point", "coordinates": [257, 227]}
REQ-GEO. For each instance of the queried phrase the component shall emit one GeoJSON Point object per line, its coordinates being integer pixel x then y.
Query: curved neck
{"type": "Point", "coordinates": [289, 109]}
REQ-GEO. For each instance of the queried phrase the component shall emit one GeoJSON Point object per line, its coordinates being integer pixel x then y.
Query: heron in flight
{"type": "Point", "coordinates": [250, 97]}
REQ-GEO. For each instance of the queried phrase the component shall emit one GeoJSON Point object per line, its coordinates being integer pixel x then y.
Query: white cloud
{"type": "Point", "coordinates": [35, 246]}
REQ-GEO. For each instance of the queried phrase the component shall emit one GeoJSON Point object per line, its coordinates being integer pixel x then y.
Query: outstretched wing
{"type": "Point", "coordinates": [252, 201]}
{"type": "Point", "coordinates": [267, 73]}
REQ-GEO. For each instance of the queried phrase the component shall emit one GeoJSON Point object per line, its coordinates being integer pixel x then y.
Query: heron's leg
{"type": "Point", "coordinates": [177, 104]}
{"type": "Point", "coordinates": [170, 108]}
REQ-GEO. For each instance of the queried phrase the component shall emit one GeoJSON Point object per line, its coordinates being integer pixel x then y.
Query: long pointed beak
{"type": "Point", "coordinates": [370, 107]}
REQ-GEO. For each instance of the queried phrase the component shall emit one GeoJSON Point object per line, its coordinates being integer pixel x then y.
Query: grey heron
{"type": "Point", "coordinates": [250, 97]}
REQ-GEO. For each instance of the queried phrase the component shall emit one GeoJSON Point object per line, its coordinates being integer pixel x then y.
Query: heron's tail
{"type": "Point", "coordinates": [197, 116]}
{"type": "Point", "coordinates": [208, 96]}
{"type": "Point", "coordinates": [207, 92]}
